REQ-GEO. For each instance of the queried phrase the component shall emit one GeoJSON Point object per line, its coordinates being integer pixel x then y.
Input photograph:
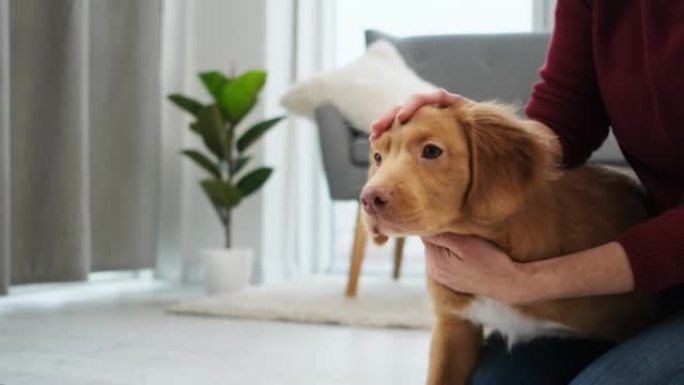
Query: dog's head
{"type": "Point", "coordinates": [451, 168]}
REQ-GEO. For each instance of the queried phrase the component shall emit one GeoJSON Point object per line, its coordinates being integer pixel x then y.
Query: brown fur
{"type": "Point", "coordinates": [497, 179]}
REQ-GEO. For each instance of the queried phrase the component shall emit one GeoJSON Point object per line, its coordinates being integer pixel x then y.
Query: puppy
{"type": "Point", "coordinates": [478, 169]}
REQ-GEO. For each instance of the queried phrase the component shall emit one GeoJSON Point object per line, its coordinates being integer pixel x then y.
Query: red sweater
{"type": "Point", "coordinates": [620, 63]}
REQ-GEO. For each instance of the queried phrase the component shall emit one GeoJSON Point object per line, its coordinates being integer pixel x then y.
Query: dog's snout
{"type": "Point", "coordinates": [375, 198]}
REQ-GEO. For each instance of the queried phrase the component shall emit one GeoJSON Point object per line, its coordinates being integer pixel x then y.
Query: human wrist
{"type": "Point", "coordinates": [531, 283]}
{"type": "Point", "coordinates": [601, 270]}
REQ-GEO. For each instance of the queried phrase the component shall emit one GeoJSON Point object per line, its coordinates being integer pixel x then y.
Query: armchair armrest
{"type": "Point", "coordinates": [344, 152]}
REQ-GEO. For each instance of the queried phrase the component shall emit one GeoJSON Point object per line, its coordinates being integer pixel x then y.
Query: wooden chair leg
{"type": "Point", "coordinates": [358, 250]}
{"type": "Point", "coordinates": [398, 256]}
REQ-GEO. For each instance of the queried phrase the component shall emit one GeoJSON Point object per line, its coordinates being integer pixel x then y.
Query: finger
{"type": "Point", "coordinates": [433, 265]}
{"type": "Point", "coordinates": [451, 241]}
{"type": "Point", "coordinates": [441, 97]}
{"type": "Point", "coordinates": [435, 255]}
{"type": "Point", "coordinates": [433, 272]}
{"type": "Point", "coordinates": [413, 104]}
{"type": "Point", "coordinates": [384, 122]}
{"type": "Point", "coordinates": [441, 255]}
{"type": "Point", "coordinates": [447, 99]}
{"type": "Point", "coordinates": [448, 252]}
{"type": "Point", "coordinates": [429, 263]}
{"type": "Point", "coordinates": [432, 252]}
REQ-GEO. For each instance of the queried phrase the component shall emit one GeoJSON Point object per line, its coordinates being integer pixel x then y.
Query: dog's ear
{"type": "Point", "coordinates": [508, 157]}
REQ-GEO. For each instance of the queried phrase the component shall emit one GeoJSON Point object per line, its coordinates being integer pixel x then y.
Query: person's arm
{"type": "Point", "coordinates": [648, 257]}
{"type": "Point", "coordinates": [567, 98]}
{"type": "Point", "coordinates": [473, 265]}
{"type": "Point", "coordinates": [597, 271]}
{"type": "Point", "coordinates": [655, 250]}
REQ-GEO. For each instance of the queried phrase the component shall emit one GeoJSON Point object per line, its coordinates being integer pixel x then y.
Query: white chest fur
{"type": "Point", "coordinates": [514, 325]}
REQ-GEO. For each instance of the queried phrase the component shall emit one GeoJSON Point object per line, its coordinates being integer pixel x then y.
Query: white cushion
{"type": "Point", "coordinates": [362, 90]}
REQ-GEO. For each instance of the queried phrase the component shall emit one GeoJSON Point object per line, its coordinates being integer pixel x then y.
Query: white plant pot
{"type": "Point", "coordinates": [226, 270]}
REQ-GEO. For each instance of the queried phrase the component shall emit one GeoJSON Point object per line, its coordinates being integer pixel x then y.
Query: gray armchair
{"type": "Point", "coordinates": [482, 67]}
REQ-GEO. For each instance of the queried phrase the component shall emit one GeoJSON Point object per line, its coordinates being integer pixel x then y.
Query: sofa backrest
{"type": "Point", "coordinates": [501, 67]}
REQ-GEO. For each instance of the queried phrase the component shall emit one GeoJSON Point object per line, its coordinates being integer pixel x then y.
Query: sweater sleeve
{"type": "Point", "coordinates": [655, 249]}
{"type": "Point", "coordinates": [567, 98]}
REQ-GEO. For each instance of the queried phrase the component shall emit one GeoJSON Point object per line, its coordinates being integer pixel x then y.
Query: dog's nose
{"type": "Point", "coordinates": [374, 198]}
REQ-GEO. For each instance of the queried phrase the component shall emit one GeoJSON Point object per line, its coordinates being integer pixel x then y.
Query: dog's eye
{"type": "Point", "coordinates": [377, 158]}
{"type": "Point", "coordinates": [431, 151]}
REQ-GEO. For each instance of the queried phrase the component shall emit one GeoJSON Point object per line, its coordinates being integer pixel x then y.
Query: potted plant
{"type": "Point", "coordinates": [225, 161]}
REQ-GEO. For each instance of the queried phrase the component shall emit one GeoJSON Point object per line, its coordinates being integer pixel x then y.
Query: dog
{"type": "Point", "coordinates": [478, 169]}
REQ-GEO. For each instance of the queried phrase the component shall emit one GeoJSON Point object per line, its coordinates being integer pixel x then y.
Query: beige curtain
{"type": "Point", "coordinates": [79, 137]}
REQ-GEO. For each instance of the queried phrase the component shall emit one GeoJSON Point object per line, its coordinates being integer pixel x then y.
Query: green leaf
{"type": "Point", "coordinates": [240, 163]}
{"type": "Point", "coordinates": [190, 105]}
{"type": "Point", "coordinates": [195, 127]}
{"type": "Point", "coordinates": [255, 132]}
{"type": "Point", "coordinates": [214, 82]}
{"type": "Point", "coordinates": [214, 198]}
{"type": "Point", "coordinates": [203, 162]}
{"type": "Point", "coordinates": [211, 128]}
{"type": "Point", "coordinates": [239, 95]}
{"type": "Point", "coordinates": [253, 180]}
{"type": "Point", "coordinates": [222, 194]}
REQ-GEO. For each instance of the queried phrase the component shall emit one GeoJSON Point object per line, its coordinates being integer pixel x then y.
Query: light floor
{"type": "Point", "coordinates": [116, 332]}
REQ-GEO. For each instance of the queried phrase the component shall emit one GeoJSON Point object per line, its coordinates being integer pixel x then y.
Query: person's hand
{"type": "Point", "coordinates": [403, 113]}
{"type": "Point", "coordinates": [473, 265]}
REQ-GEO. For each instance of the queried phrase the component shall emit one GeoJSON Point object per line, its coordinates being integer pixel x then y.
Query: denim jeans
{"type": "Point", "coordinates": [653, 357]}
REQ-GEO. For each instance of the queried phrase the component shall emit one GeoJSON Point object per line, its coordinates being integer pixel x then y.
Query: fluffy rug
{"type": "Point", "coordinates": [380, 302]}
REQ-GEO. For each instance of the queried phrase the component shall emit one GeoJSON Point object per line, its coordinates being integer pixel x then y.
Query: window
{"type": "Point", "coordinates": [424, 17]}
